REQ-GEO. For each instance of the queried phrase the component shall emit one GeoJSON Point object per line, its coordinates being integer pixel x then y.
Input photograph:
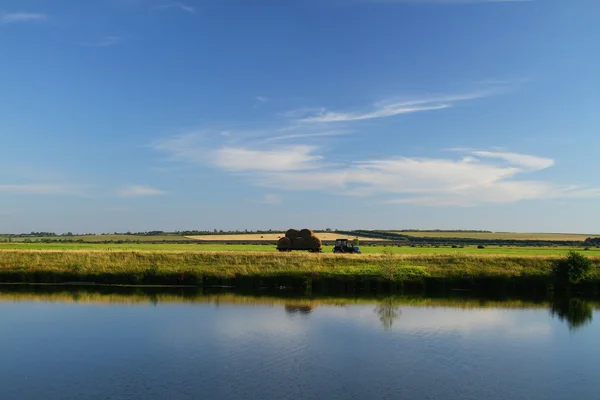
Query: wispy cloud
{"type": "Point", "coordinates": [389, 108]}
{"type": "Point", "coordinates": [521, 160]}
{"type": "Point", "coordinates": [177, 5]}
{"type": "Point", "coordinates": [262, 99]}
{"type": "Point", "coordinates": [42, 189]}
{"type": "Point", "coordinates": [195, 148]}
{"type": "Point", "coordinates": [105, 42]}
{"type": "Point", "coordinates": [307, 135]}
{"type": "Point", "coordinates": [290, 158]}
{"type": "Point", "coordinates": [139, 191]}
{"type": "Point", "coordinates": [16, 17]}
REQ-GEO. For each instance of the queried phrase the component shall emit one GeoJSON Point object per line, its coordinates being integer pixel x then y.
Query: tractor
{"type": "Point", "coordinates": [342, 246]}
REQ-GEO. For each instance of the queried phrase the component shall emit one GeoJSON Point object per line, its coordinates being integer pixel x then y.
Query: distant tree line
{"type": "Point", "coordinates": [443, 230]}
{"type": "Point", "coordinates": [155, 233]}
{"type": "Point", "coordinates": [592, 241]}
{"type": "Point", "coordinates": [408, 240]}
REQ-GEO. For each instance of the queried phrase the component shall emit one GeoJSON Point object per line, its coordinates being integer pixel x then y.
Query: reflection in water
{"type": "Point", "coordinates": [388, 311]}
{"type": "Point", "coordinates": [292, 309]}
{"type": "Point", "coordinates": [576, 312]}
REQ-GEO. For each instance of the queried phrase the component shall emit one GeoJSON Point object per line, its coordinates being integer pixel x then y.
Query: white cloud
{"type": "Point", "coordinates": [178, 5]}
{"type": "Point", "coordinates": [140, 191]}
{"type": "Point", "coordinates": [42, 189]}
{"type": "Point", "coordinates": [472, 177]}
{"type": "Point", "coordinates": [388, 108]}
{"type": "Point", "coordinates": [307, 135]}
{"type": "Point", "coordinates": [522, 160]}
{"type": "Point", "coordinates": [387, 111]}
{"type": "Point", "coordinates": [466, 181]}
{"type": "Point", "coordinates": [15, 17]}
{"type": "Point", "coordinates": [291, 158]}
{"type": "Point", "coordinates": [262, 99]}
{"type": "Point", "coordinates": [196, 148]}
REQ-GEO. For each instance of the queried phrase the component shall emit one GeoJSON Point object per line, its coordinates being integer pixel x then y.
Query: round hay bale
{"type": "Point", "coordinates": [306, 233]}
{"type": "Point", "coordinates": [292, 234]}
{"type": "Point", "coordinates": [314, 243]}
{"type": "Point", "coordinates": [284, 243]}
{"type": "Point", "coordinates": [299, 243]}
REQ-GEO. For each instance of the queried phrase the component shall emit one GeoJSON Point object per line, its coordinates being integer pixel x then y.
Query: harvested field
{"type": "Point", "coordinates": [273, 237]}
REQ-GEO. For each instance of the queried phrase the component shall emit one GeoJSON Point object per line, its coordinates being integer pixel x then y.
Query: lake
{"type": "Point", "coordinates": [91, 345]}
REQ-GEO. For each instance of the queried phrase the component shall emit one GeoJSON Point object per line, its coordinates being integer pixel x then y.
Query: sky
{"type": "Point", "coordinates": [135, 115]}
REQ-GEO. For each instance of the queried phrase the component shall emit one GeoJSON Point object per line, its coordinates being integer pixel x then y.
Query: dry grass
{"type": "Point", "coordinates": [172, 267]}
{"type": "Point", "coordinates": [273, 237]}
{"type": "Point", "coordinates": [500, 235]}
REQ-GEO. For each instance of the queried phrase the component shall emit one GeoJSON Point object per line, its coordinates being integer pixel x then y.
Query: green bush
{"type": "Point", "coordinates": [481, 246]}
{"type": "Point", "coordinates": [410, 272]}
{"type": "Point", "coordinates": [572, 269]}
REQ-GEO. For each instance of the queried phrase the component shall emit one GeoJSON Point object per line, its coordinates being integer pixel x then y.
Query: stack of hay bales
{"type": "Point", "coordinates": [304, 239]}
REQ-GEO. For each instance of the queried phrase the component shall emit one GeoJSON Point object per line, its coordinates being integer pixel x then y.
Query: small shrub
{"type": "Point", "coordinates": [454, 246]}
{"type": "Point", "coordinates": [481, 246]}
{"type": "Point", "coordinates": [389, 266]}
{"type": "Point", "coordinates": [411, 272]}
{"type": "Point", "coordinates": [572, 269]}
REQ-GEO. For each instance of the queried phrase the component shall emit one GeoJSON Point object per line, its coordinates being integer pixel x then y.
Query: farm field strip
{"type": "Point", "coordinates": [105, 238]}
{"type": "Point", "coordinates": [274, 237]}
{"type": "Point", "coordinates": [260, 248]}
{"type": "Point", "coordinates": [500, 235]}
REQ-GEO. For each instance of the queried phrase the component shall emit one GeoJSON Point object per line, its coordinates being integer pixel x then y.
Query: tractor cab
{"type": "Point", "coordinates": [342, 246]}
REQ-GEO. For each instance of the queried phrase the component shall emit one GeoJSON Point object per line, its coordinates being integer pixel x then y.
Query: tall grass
{"type": "Point", "coordinates": [130, 267]}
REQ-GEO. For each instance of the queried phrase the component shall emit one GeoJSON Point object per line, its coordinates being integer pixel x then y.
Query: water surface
{"type": "Point", "coordinates": [232, 347]}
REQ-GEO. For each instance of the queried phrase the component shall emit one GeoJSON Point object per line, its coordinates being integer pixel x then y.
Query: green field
{"type": "Point", "coordinates": [500, 235]}
{"type": "Point", "coordinates": [230, 237]}
{"type": "Point", "coordinates": [193, 247]}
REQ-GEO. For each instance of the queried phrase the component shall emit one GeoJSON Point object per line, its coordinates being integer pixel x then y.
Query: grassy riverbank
{"type": "Point", "coordinates": [176, 267]}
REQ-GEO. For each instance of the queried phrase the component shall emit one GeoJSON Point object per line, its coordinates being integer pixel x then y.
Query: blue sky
{"type": "Point", "coordinates": [128, 115]}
